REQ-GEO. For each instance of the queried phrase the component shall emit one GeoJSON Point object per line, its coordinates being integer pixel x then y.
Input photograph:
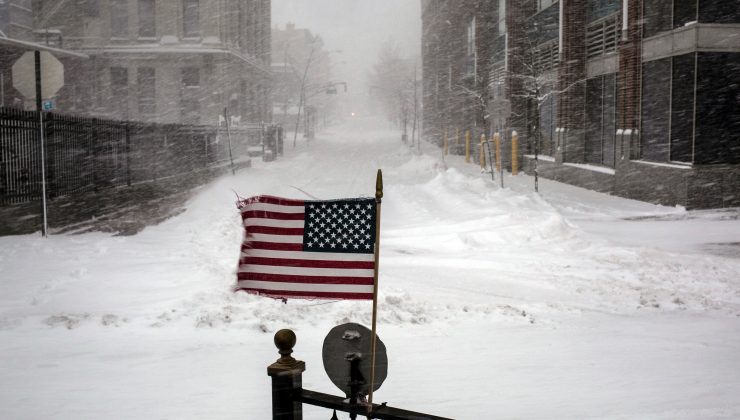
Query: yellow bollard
{"type": "Point", "coordinates": [481, 155]}
{"type": "Point", "coordinates": [467, 146]}
{"type": "Point", "coordinates": [514, 153]}
{"type": "Point", "coordinates": [497, 146]}
{"type": "Point", "coordinates": [446, 144]}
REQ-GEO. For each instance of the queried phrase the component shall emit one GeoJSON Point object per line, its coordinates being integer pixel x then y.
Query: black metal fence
{"type": "Point", "coordinates": [289, 396]}
{"type": "Point", "coordinates": [87, 154]}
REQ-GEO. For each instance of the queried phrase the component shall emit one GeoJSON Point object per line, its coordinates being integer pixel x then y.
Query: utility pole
{"type": "Point", "coordinates": [416, 113]}
{"type": "Point", "coordinates": [303, 91]}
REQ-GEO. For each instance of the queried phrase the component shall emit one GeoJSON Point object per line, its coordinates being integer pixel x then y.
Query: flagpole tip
{"type": "Point", "coordinates": [379, 185]}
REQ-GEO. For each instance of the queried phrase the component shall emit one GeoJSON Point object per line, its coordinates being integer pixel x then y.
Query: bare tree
{"type": "Point", "coordinates": [393, 82]}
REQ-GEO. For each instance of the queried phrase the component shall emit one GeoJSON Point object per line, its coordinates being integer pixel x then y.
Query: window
{"type": "Point", "coordinates": [471, 36]}
{"type": "Point", "coordinates": [544, 4]}
{"type": "Point", "coordinates": [717, 108]}
{"type": "Point", "coordinates": [682, 107]}
{"type": "Point", "coordinates": [501, 17]}
{"type": "Point", "coordinates": [147, 19]}
{"type": "Point", "coordinates": [597, 9]}
{"type": "Point", "coordinates": [190, 77]}
{"type": "Point", "coordinates": [600, 120]}
{"type": "Point", "coordinates": [472, 58]}
{"type": "Point", "coordinates": [190, 18]}
{"type": "Point", "coordinates": [719, 11]}
{"type": "Point", "coordinates": [657, 18]}
{"type": "Point", "coordinates": [189, 103]}
{"type": "Point", "coordinates": [119, 90]}
{"type": "Point", "coordinates": [656, 105]}
{"type": "Point", "coordinates": [147, 93]}
{"type": "Point", "coordinates": [89, 7]}
{"type": "Point", "coordinates": [119, 18]}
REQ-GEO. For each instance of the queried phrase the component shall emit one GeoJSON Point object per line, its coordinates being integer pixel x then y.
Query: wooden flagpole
{"type": "Point", "coordinates": [378, 199]}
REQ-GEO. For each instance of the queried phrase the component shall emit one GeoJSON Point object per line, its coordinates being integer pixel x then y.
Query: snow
{"type": "Point", "coordinates": [493, 303]}
{"type": "Point", "coordinates": [666, 165]}
{"type": "Point", "coordinates": [594, 168]}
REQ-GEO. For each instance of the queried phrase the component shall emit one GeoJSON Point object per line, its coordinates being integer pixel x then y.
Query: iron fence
{"type": "Point", "coordinates": [88, 154]}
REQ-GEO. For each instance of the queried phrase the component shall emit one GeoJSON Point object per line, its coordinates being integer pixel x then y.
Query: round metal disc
{"type": "Point", "coordinates": [349, 341]}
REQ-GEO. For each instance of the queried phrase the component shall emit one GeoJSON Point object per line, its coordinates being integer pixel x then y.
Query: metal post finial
{"type": "Point", "coordinates": [285, 341]}
{"type": "Point", "coordinates": [379, 186]}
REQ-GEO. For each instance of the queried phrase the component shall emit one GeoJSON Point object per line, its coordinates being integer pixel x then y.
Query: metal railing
{"type": "Point", "coordinates": [288, 395]}
{"type": "Point", "coordinates": [546, 56]}
{"type": "Point", "coordinates": [602, 36]}
{"type": "Point", "coordinates": [87, 154]}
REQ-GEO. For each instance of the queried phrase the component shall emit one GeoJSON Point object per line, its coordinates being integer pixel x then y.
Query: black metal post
{"type": "Point", "coordinates": [37, 63]}
{"type": "Point", "coordinates": [287, 379]}
{"type": "Point", "coordinates": [128, 154]}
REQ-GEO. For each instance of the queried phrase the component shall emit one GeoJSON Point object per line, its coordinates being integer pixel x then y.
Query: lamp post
{"type": "Point", "coordinates": [302, 101]}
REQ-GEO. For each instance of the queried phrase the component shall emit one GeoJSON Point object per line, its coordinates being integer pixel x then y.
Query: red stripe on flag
{"type": "Point", "coordinates": [309, 295]}
{"type": "Point", "coordinates": [286, 262]}
{"type": "Point", "coordinates": [268, 230]}
{"type": "Point", "coordinates": [262, 214]}
{"type": "Point", "coordinates": [282, 278]}
{"type": "Point", "coordinates": [272, 246]}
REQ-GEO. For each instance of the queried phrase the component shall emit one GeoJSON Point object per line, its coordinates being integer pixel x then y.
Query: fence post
{"type": "Point", "coordinates": [467, 146]}
{"type": "Point", "coordinates": [445, 144]}
{"type": "Point", "coordinates": [481, 155]}
{"type": "Point", "coordinates": [287, 379]}
{"type": "Point", "coordinates": [128, 154]}
{"type": "Point", "coordinates": [497, 145]}
{"type": "Point", "coordinates": [514, 153]}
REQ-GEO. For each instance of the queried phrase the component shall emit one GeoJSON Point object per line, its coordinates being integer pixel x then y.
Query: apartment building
{"type": "Point", "coordinates": [630, 97]}
{"type": "Point", "coordinates": [181, 61]}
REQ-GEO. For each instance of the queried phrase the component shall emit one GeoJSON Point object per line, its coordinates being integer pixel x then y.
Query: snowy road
{"type": "Point", "coordinates": [494, 303]}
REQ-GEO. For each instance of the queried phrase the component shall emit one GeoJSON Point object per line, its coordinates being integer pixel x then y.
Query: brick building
{"type": "Point", "coordinates": [635, 98]}
{"type": "Point", "coordinates": [179, 61]}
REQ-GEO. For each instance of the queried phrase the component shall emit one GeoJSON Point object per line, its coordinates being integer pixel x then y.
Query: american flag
{"type": "Point", "coordinates": [308, 249]}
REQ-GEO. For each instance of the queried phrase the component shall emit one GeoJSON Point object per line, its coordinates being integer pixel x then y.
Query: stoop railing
{"type": "Point", "coordinates": [288, 395]}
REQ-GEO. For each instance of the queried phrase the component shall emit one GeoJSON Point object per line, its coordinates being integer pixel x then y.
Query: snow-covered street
{"type": "Point", "coordinates": [494, 303]}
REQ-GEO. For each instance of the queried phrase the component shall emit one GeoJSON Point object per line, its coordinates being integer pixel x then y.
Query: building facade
{"type": "Point", "coordinates": [182, 61]}
{"type": "Point", "coordinates": [635, 98]}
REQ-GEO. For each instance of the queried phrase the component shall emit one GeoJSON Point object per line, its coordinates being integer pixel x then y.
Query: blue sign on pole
{"type": "Point", "coordinates": [48, 105]}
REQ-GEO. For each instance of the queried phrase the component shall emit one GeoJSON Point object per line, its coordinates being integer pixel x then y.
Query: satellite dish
{"type": "Point", "coordinates": [347, 355]}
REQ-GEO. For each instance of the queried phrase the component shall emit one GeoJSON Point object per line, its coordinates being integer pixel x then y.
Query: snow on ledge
{"type": "Point", "coordinates": [666, 165]}
{"type": "Point", "coordinates": [593, 168]}
{"type": "Point", "coordinates": [541, 157]}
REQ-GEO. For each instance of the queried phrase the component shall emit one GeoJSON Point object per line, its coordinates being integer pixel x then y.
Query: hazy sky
{"type": "Point", "coordinates": [357, 27]}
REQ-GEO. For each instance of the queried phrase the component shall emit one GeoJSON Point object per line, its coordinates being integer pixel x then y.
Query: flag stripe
{"type": "Point", "coordinates": [305, 279]}
{"type": "Point", "coordinates": [273, 207]}
{"type": "Point", "coordinates": [266, 253]}
{"type": "Point", "coordinates": [285, 239]}
{"type": "Point", "coordinates": [272, 246]}
{"type": "Point", "coordinates": [306, 287]}
{"type": "Point", "coordinates": [307, 271]}
{"type": "Point", "coordinates": [308, 263]}
{"type": "Point", "coordinates": [309, 295]}
{"type": "Point", "coordinates": [291, 224]}
{"type": "Point", "coordinates": [268, 230]}
{"type": "Point", "coordinates": [272, 215]}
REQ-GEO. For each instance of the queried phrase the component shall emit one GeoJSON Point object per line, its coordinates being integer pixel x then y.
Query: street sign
{"type": "Point", "coordinates": [347, 355]}
{"type": "Point", "coordinates": [24, 75]}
